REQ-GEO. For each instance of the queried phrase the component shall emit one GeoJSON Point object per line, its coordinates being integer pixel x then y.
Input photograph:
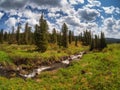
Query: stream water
{"type": "Point", "coordinates": [54, 66]}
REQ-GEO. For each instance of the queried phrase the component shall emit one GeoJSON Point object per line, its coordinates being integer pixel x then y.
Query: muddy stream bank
{"type": "Point", "coordinates": [33, 72]}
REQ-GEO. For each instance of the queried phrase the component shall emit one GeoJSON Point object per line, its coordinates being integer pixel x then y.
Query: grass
{"type": "Point", "coordinates": [95, 71]}
{"type": "Point", "coordinates": [27, 51]}
{"type": "Point", "coordinates": [4, 57]}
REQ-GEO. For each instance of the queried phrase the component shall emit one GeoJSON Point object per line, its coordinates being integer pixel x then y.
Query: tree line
{"type": "Point", "coordinates": [41, 37]}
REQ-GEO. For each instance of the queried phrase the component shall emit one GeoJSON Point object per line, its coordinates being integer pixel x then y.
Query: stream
{"type": "Point", "coordinates": [39, 69]}
{"type": "Point", "coordinates": [55, 66]}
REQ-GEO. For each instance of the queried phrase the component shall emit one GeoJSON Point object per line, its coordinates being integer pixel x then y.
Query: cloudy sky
{"type": "Point", "coordinates": [94, 15]}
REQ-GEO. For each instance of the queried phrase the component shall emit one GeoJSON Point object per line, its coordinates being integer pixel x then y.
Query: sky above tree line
{"type": "Point", "coordinates": [79, 15]}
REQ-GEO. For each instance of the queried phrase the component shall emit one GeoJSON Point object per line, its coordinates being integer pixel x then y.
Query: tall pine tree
{"type": "Point", "coordinates": [18, 34]}
{"type": "Point", "coordinates": [96, 42]}
{"type": "Point", "coordinates": [70, 36]}
{"type": "Point", "coordinates": [41, 35]}
{"type": "Point", "coordinates": [76, 41]}
{"type": "Point", "coordinates": [64, 36]}
{"type": "Point", "coordinates": [92, 44]}
{"type": "Point", "coordinates": [12, 38]}
{"type": "Point", "coordinates": [59, 39]}
{"type": "Point", "coordinates": [54, 36]}
{"type": "Point", "coordinates": [1, 36]}
{"type": "Point", "coordinates": [5, 36]}
{"type": "Point", "coordinates": [102, 41]}
{"type": "Point", "coordinates": [26, 33]}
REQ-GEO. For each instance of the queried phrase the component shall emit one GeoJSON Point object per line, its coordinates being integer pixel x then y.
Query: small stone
{"type": "Point", "coordinates": [83, 72]}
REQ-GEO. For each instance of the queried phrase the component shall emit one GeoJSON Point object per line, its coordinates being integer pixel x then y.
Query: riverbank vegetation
{"type": "Point", "coordinates": [40, 46]}
{"type": "Point", "coordinates": [16, 53]}
{"type": "Point", "coordinates": [95, 71]}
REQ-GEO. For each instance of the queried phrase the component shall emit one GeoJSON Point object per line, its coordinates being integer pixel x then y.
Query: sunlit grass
{"type": "Point", "coordinates": [4, 57]}
{"type": "Point", "coordinates": [95, 71]}
{"type": "Point", "coordinates": [28, 51]}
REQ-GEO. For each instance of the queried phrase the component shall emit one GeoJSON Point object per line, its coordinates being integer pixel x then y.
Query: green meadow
{"type": "Point", "coordinates": [97, 70]}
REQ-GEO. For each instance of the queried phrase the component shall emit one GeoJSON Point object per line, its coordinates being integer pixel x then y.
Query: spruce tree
{"type": "Point", "coordinates": [30, 39]}
{"type": "Point", "coordinates": [54, 36]}
{"type": "Point", "coordinates": [92, 44]}
{"type": "Point", "coordinates": [9, 38]}
{"type": "Point", "coordinates": [96, 42]}
{"type": "Point", "coordinates": [70, 36]}
{"type": "Point", "coordinates": [102, 41]}
{"type": "Point", "coordinates": [41, 35]}
{"type": "Point", "coordinates": [12, 38]}
{"type": "Point", "coordinates": [64, 36]}
{"type": "Point", "coordinates": [5, 36]}
{"type": "Point", "coordinates": [36, 35]}
{"type": "Point", "coordinates": [84, 38]}
{"type": "Point", "coordinates": [80, 37]}
{"type": "Point", "coordinates": [26, 33]}
{"type": "Point", "coordinates": [73, 37]}
{"type": "Point", "coordinates": [1, 36]}
{"type": "Point", "coordinates": [21, 40]}
{"type": "Point", "coordinates": [76, 41]}
{"type": "Point", "coordinates": [59, 39]}
{"type": "Point", "coordinates": [89, 37]}
{"type": "Point", "coordinates": [18, 35]}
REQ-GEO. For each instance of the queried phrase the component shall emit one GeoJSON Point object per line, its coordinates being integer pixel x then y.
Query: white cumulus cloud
{"type": "Point", "coordinates": [109, 10]}
{"type": "Point", "coordinates": [1, 15]}
{"type": "Point", "coordinates": [11, 22]}
{"type": "Point", "coordinates": [111, 27]}
{"type": "Point", "coordinates": [76, 1]}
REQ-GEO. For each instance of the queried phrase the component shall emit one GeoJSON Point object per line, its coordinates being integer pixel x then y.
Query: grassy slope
{"type": "Point", "coordinates": [26, 51]}
{"type": "Point", "coordinates": [95, 71]}
{"type": "Point", "coordinates": [4, 57]}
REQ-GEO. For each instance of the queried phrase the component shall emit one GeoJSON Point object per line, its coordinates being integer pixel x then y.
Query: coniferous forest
{"type": "Point", "coordinates": [41, 37]}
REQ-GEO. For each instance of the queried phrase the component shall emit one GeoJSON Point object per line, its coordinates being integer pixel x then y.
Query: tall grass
{"type": "Point", "coordinates": [95, 71]}
{"type": "Point", "coordinates": [4, 57]}
{"type": "Point", "coordinates": [28, 51]}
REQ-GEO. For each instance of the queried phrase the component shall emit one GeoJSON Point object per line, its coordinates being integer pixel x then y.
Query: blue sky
{"type": "Point", "coordinates": [79, 15]}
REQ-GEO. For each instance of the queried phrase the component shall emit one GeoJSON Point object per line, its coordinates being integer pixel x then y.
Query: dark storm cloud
{"type": "Point", "coordinates": [17, 4]}
{"type": "Point", "coordinates": [12, 4]}
{"type": "Point", "coordinates": [72, 20]}
{"type": "Point", "coordinates": [88, 14]}
{"type": "Point", "coordinates": [53, 3]}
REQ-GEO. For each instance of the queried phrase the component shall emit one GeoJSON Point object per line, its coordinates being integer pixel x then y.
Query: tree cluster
{"type": "Point", "coordinates": [95, 42]}
{"type": "Point", "coordinates": [41, 37]}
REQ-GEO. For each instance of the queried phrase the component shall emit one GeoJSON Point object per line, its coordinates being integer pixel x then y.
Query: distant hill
{"type": "Point", "coordinates": [112, 40]}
